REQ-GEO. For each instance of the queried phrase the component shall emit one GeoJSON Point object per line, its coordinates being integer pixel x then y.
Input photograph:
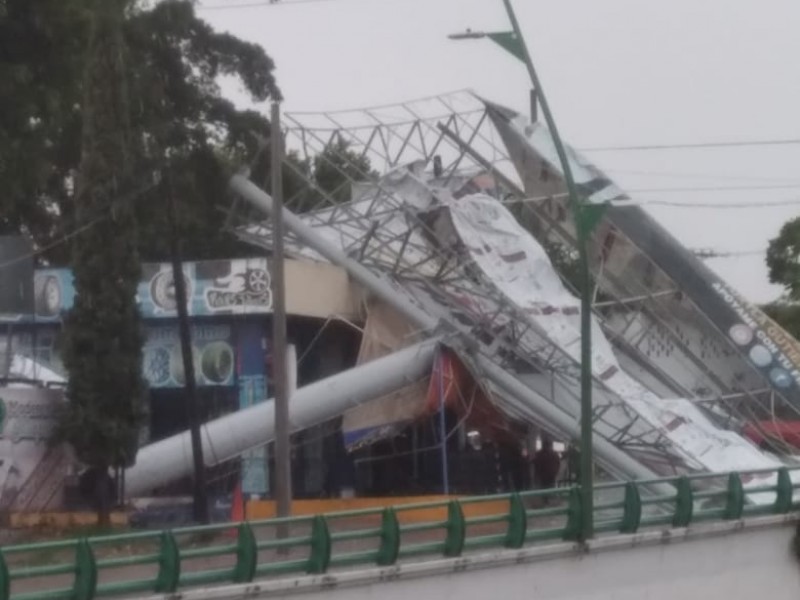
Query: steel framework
{"type": "Point", "coordinates": [400, 159]}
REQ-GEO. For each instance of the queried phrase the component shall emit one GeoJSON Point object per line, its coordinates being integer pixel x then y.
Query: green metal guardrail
{"type": "Point", "coordinates": [160, 561]}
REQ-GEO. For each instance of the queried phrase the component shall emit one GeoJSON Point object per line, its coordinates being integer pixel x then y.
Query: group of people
{"type": "Point", "coordinates": [550, 468]}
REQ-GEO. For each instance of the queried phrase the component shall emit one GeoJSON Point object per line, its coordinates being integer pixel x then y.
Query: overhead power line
{"type": "Point", "coordinates": [724, 205]}
{"type": "Point", "coordinates": [66, 237]}
{"type": "Point", "coordinates": [693, 145]}
{"type": "Point", "coordinates": [669, 203]}
{"type": "Point", "coordinates": [716, 188]}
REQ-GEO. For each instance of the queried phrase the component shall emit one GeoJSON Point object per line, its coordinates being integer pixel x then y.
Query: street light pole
{"type": "Point", "coordinates": [585, 217]}
{"type": "Point", "coordinates": [583, 229]}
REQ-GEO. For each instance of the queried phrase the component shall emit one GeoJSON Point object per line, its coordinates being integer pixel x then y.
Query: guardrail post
{"type": "Point", "coordinates": [572, 531]}
{"type": "Point", "coordinates": [783, 492]}
{"type": "Point", "coordinates": [734, 506]}
{"type": "Point", "coordinates": [5, 578]}
{"type": "Point", "coordinates": [632, 510]}
{"type": "Point", "coordinates": [517, 522]}
{"type": "Point", "coordinates": [320, 556]}
{"type": "Point", "coordinates": [85, 572]}
{"type": "Point", "coordinates": [684, 503]}
{"type": "Point", "coordinates": [169, 564]}
{"type": "Point", "coordinates": [456, 530]}
{"type": "Point", "coordinates": [390, 539]}
{"type": "Point", "coordinates": [246, 554]}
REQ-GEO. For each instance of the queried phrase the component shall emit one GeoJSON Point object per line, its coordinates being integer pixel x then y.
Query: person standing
{"type": "Point", "coordinates": [546, 464]}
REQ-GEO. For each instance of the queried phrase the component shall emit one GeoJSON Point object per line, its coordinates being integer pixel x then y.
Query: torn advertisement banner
{"type": "Point", "coordinates": [519, 267]}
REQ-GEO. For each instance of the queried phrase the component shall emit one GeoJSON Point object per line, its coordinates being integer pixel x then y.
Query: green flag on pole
{"type": "Point", "coordinates": [510, 42]}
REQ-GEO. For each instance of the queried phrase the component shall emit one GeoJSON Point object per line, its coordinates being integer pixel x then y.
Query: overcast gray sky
{"type": "Point", "coordinates": [617, 72]}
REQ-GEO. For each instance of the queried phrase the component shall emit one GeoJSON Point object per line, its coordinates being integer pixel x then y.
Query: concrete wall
{"type": "Point", "coordinates": [319, 290]}
{"type": "Point", "coordinates": [750, 560]}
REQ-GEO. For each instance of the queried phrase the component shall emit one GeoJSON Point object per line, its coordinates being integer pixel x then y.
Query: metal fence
{"type": "Point", "coordinates": [168, 561]}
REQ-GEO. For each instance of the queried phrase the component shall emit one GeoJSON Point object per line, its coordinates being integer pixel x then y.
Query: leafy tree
{"type": "Point", "coordinates": [177, 111]}
{"type": "Point", "coordinates": [42, 46]}
{"type": "Point", "coordinates": [185, 120]}
{"type": "Point", "coordinates": [783, 265]}
{"type": "Point", "coordinates": [336, 166]}
{"type": "Point", "coordinates": [786, 315]}
{"type": "Point", "coordinates": [330, 173]}
{"type": "Point", "coordinates": [783, 258]}
{"type": "Point", "coordinates": [103, 337]}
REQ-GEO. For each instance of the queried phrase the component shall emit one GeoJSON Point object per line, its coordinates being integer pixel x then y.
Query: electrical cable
{"type": "Point", "coordinates": [79, 230]}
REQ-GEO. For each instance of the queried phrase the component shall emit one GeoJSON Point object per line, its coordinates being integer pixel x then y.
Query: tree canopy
{"type": "Point", "coordinates": [783, 259]}
{"type": "Point", "coordinates": [783, 265]}
{"type": "Point", "coordinates": [177, 113]}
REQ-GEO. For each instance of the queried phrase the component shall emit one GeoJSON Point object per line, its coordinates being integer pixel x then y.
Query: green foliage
{"type": "Point", "coordinates": [42, 45]}
{"type": "Point", "coordinates": [177, 110]}
{"type": "Point", "coordinates": [786, 315]}
{"type": "Point", "coordinates": [103, 338]}
{"type": "Point", "coordinates": [783, 258]}
{"type": "Point", "coordinates": [181, 115]}
{"type": "Point", "coordinates": [330, 173]}
{"type": "Point", "coordinates": [336, 166]}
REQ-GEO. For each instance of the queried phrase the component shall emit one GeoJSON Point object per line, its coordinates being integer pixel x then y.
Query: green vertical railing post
{"type": "Point", "coordinates": [632, 509]}
{"type": "Point", "coordinates": [5, 578]}
{"type": "Point", "coordinates": [783, 492]}
{"type": "Point", "coordinates": [574, 529]}
{"type": "Point", "coordinates": [169, 564]}
{"type": "Point", "coordinates": [734, 504]}
{"type": "Point", "coordinates": [517, 523]}
{"type": "Point", "coordinates": [389, 549]}
{"type": "Point", "coordinates": [320, 556]}
{"type": "Point", "coordinates": [246, 554]}
{"type": "Point", "coordinates": [85, 572]}
{"type": "Point", "coordinates": [684, 503]}
{"type": "Point", "coordinates": [456, 529]}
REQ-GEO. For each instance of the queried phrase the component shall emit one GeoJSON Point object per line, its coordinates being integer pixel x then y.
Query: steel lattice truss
{"type": "Point", "coordinates": [392, 224]}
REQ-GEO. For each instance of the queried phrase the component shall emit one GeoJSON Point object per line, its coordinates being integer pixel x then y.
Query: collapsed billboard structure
{"type": "Point", "coordinates": [456, 222]}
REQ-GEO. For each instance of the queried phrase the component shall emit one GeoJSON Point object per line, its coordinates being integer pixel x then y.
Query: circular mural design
{"type": "Point", "coordinates": [780, 377]}
{"type": "Point", "coordinates": [162, 290]}
{"type": "Point", "coordinates": [760, 356]}
{"type": "Point", "coordinates": [157, 365]}
{"type": "Point", "coordinates": [741, 334]}
{"type": "Point", "coordinates": [216, 362]}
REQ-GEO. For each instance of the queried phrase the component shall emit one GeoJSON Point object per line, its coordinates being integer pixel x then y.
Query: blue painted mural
{"type": "Point", "coordinates": [212, 346]}
{"type": "Point", "coordinates": [215, 287]}
{"type": "Point", "coordinates": [252, 376]}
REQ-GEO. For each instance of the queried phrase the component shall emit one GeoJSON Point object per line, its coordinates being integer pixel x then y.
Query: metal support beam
{"type": "Point", "coordinates": [283, 470]}
{"type": "Point", "coordinates": [229, 436]}
{"type": "Point", "coordinates": [384, 290]}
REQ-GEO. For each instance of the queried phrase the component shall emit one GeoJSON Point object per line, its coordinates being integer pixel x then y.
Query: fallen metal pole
{"type": "Point", "coordinates": [399, 301]}
{"type": "Point", "coordinates": [382, 288]}
{"type": "Point", "coordinates": [229, 436]}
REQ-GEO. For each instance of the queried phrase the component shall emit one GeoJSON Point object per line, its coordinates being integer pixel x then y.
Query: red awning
{"type": "Point", "coordinates": [786, 431]}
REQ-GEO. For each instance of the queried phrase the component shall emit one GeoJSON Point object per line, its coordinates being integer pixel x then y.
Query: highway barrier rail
{"type": "Point", "coordinates": [168, 561]}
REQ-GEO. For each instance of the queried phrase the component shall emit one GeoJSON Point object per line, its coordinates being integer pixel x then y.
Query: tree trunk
{"type": "Point", "coordinates": [103, 485]}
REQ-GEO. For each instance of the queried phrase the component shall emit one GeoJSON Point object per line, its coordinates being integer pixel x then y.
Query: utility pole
{"type": "Point", "coordinates": [283, 471]}
{"type": "Point", "coordinates": [200, 496]}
